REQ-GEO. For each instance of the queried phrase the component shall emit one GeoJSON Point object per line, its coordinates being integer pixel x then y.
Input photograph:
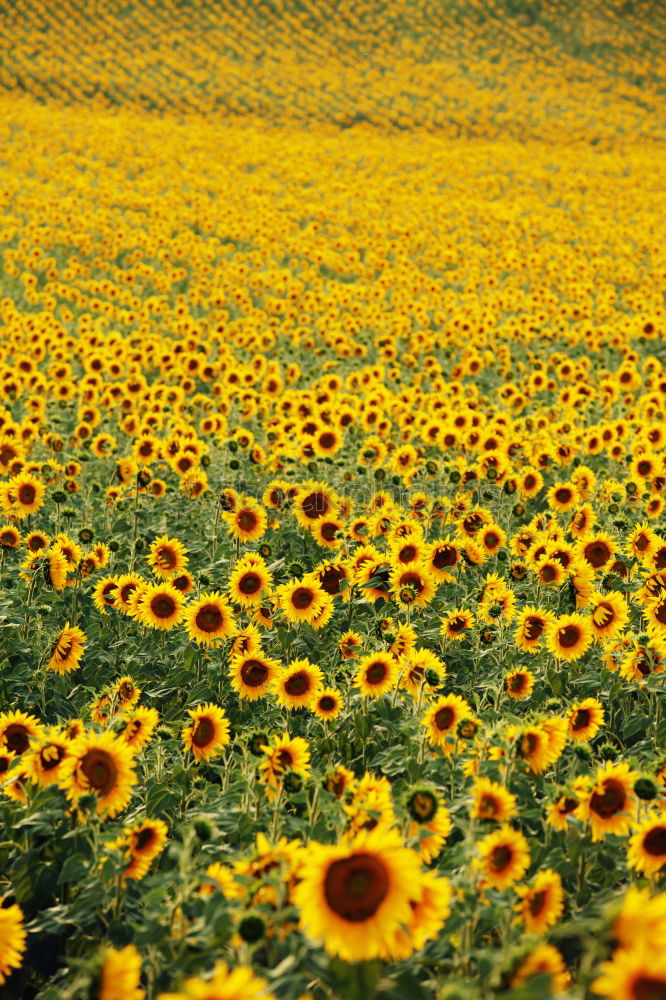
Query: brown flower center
{"type": "Point", "coordinates": [327, 703]}
{"type": "Point", "coordinates": [100, 770]}
{"type": "Point", "coordinates": [376, 673]}
{"type": "Point", "coordinates": [649, 988]}
{"type": "Point", "coordinates": [203, 733]}
{"type": "Point", "coordinates": [568, 636]}
{"type": "Point", "coordinates": [444, 718]}
{"type": "Point", "coordinates": [537, 902]}
{"type": "Point", "coordinates": [597, 553]}
{"type": "Point", "coordinates": [247, 520]}
{"type": "Point", "coordinates": [166, 558]}
{"type": "Point", "coordinates": [17, 737]}
{"type": "Point", "coordinates": [444, 556]}
{"type": "Point", "coordinates": [533, 628]}
{"type": "Point", "coordinates": [209, 618]}
{"type": "Point", "coordinates": [315, 505]}
{"type": "Point", "coordinates": [500, 858]}
{"type": "Point", "coordinates": [581, 719]}
{"type": "Point", "coordinates": [163, 606]}
{"type": "Point", "coordinates": [27, 494]}
{"type": "Point", "coordinates": [356, 887]}
{"type": "Point", "coordinates": [298, 684]}
{"type": "Point", "coordinates": [302, 598]}
{"type": "Point", "coordinates": [654, 842]}
{"type": "Point", "coordinates": [254, 673]}
{"type": "Point", "coordinates": [609, 802]}
{"type": "Point", "coordinates": [144, 839]}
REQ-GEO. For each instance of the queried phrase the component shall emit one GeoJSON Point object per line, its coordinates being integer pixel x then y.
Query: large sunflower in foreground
{"type": "Point", "coordinates": [638, 973]}
{"type": "Point", "coordinates": [100, 764]}
{"type": "Point", "coordinates": [354, 897]}
{"type": "Point", "coordinates": [12, 940]}
{"type": "Point", "coordinates": [224, 984]}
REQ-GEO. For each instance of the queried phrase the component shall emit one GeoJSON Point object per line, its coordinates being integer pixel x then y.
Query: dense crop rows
{"type": "Point", "coordinates": [332, 489]}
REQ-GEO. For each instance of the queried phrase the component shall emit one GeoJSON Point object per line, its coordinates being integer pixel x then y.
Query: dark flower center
{"type": "Point", "coordinates": [447, 555]}
{"type": "Point", "coordinates": [302, 598]}
{"type": "Point", "coordinates": [609, 802]}
{"type": "Point", "coordinates": [315, 505]}
{"type": "Point", "coordinates": [597, 553]}
{"type": "Point", "coordinates": [568, 636]}
{"type": "Point", "coordinates": [327, 704]}
{"type": "Point", "coordinates": [204, 732]}
{"type": "Point", "coordinates": [247, 520]}
{"type": "Point", "coordinates": [100, 770]}
{"type": "Point", "coordinates": [209, 618]}
{"type": "Point", "coordinates": [376, 673]}
{"type": "Point", "coordinates": [649, 988]}
{"type": "Point", "coordinates": [298, 684]}
{"type": "Point", "coordinates": [500, 858]}
{"type": "Point", "coordinates": [537, 902]}
{"type": "Point", "coordinates": [356, 887]}
{"type": "Point", "coordinates": [444, 718]}
{"type": "Point", "coordinates": [254, 673]}
{"type": "Point", "coordinates": [144, 839]}
{"type": "Point", "coordinates": [26, 494]}
{"type": "Point", "coordinates": [163, 606]}
{"type": "Point", "coordinates": [17, 737]}
{"type": "Point", "coordinates": [533, 628]}
{"type": "Point", "coordinates": [654, 842]}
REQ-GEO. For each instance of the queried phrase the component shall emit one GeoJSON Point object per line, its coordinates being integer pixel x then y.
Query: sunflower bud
{"type": "Point", "coordinates": [86, 535]}
{"type": "Point", "coordinates": [432, 677]}
{"type": "Point", "coordinates": [607, 751]}
{"type": "Point", "coordinates": [232, 446]}
{"type": "Point", "coordinates": [251, 929]}
{"type": "Point", "coordinates": [518, 509]}
{"type": "Point", "coordinates": [265, 550]}
{"type": "Point", "coordinates": [407, 595]}
{"type": "Point", "coordinates": [583, 751]}
{"type": "Point", "coordinates": [296, 569]}
{"type": "Point", "coordinates": [58, 496]}
{"type": "Point", "coordinates": [646, 789]}
{"type": "Point", "coordinates": [431, 467]}
{"type": "Point", "coordinates": [454, 476]}
{"type": "Point", "coordinates": [256, 742]}
{"type": "Point", "coordinates": [234, 464]}
{"type": "Point", "coordinates": [467, 729]}
{"type": "Point", "coordinates": [292, 782]}
{"type": "Point", "coordinates": [204, 830]}
{"type": "Point", "coordinates": [114, 545]}
{"type": "Point", "coordinates": [380, 474]}
{"type": "Point", "coordinates": [69, 513]}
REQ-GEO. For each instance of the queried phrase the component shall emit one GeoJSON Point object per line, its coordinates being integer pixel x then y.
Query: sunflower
{"type": "Point", "coordinates": [376, 674]}
{"type": "Point", "coordinates": [545, 960]}
{"type": "Point", "coordinates": [519, 683]}
{"type": "Point", "coordinates": [120, 975]}
{"type": "Point", "coordinates": [208, 734]}
{"type": "Point", "coordinates": [68, 650]}
{"type": "Point", "coordinates": [246, 641]}
{"type": "Point", "coordinates": [17, 729]}
{"type": "Point", "coordinates": [609, 613]}
{"type": "Point", "coordinates": [585, 720]}
{"type": "Point", "coordinates": [160, 606]}
{"type": "Point", "coordinates": [559, 811]}
{"type": "Point", "coordinates": [562, 497]}
{"type": "Point", "coordinates": [139, 726]}
{"type": "Point", "coordinates": [285, 754]}
{"type": "Point", "coordinates": [646, 851]}
{"type": "Point", "coordinates": [430, 823]}
{"type": "Point", "coordinates": [12, 940]}
{"type": "Point", "coordinates": [354, 897]}
{"type": "Point", "coordinates": [46, 757]}
{"type": "Point", "coordinates": [642, 543]}
{"type": "Point", "coordinates": [610, 803]}
{"type": "Point", "coordinates": [297, 685]}
{"type": "Point", "coordinates": [184, 582]}
{"type": "Point", "coordinates": [534, 747]}
{"type": "Point", "coordinates": [456, 624]}
{"type": "Point", "coordinates": [415, 666]}
{"type": "Point", "coordinates": [27, 495]}
{"type": "Point", "coordinates": [248, 522]}
{"type": "Point", "coordinates": [55, 568]}
{"type": "Point", "coordinates": [104, 592]}
{"type": "Point", "coordinates": [223, 984]}
{"type": "Point", "coordinates": [302, 600]}
{"type": "Point", "coordinates": [492, 802]}
{"type": "Point", "coordinates": [168, 556]}
{"type": "Point", "coordinates": [441, 558]}
{"type": "Point", "coordinates": [340, 782]}
{"type": "Point", "coordinates": [636, 973]}
{"type": "Point", "coordinates": [221, 878]}
{"type": "Point", "coordinates": [35, 541]}
{"type": "Point", "coordinates": [504, 857]}
{"type": "Point", "coordinates": [209, 618]}
{"type": "Point", "coordinates": [598, 551]}
{"type": "Point", "coordinates": [569, 636]}
{"type": "Point", "coordinates": [328, 704]}
{"type": "Point", "coordinates": [143, 841]}
{"type": "Point", "coordinates": [314, 501]}
{"type": "Point", "coordinates": [530, 483]}
{"type": "Point", "coordinates": [10, 537]}
{"type": "Point", "coordinates": [252, 675]}
{"type": "Point", "coordinates": [349, 644]}
{"type": "Point", "coordinates": [129, 586]}
{"type": "Point", "coordinates": [442, 718]}
{"type": "Point", "coordinates": [334, 579]}
{"type": "Point", "coordinates": [100, 764]}
{"type": "Point", "coordinates": [412, 585]}
{"type": "Point", "coordinates": [249, 581]}
{"type": "Point", "coordinates": [541, 904]}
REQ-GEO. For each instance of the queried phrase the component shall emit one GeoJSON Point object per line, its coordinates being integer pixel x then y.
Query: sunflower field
{"type": "Point", "coordinates": [332, 500]}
